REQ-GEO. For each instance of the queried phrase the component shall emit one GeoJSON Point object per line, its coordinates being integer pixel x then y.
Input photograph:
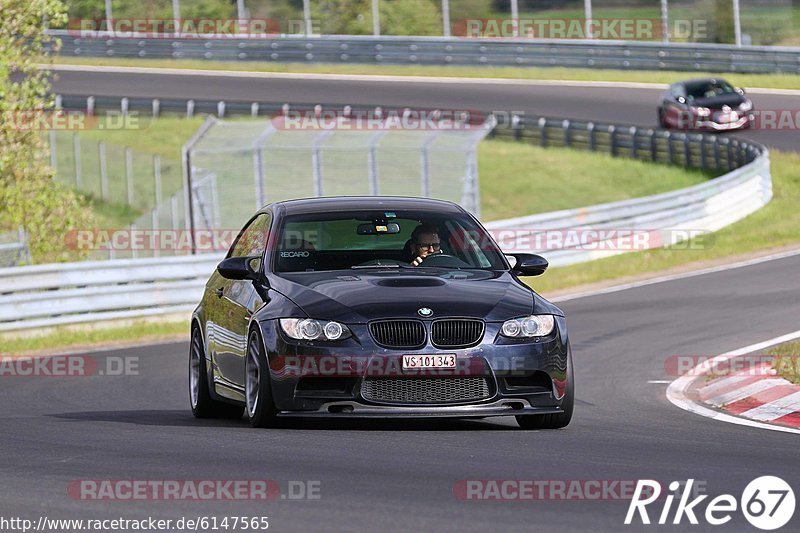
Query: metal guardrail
{"type": "Point", "coordinates": [70, 293]}
{"type": "Point", "coordinates": [597, 54]}
{"type": "Point", "coordinates": [659, 220]}
{"type": "Point", "coordinates": [59, 294]}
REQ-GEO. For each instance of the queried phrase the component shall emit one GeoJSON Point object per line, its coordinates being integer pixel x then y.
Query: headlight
{"type": "Point", "coordinates": [747, 105]}
{"type": "Point", "coordinates": [528, 326]}
{"type": "Point", "coordinates": [702, 111]}
{"type": "Point", "coordinates": [308, 329]}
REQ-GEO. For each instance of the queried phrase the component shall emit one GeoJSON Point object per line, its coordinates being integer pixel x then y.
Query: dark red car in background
{"type": "Point", "coordinates": [710, 104]}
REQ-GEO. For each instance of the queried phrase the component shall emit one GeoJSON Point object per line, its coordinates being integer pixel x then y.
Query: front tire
{"type": "Point", "coordinates": [555, 420]}
{"type": "Point", "coordinates": [200, 400]}
{"type": "Point", "coordinates": [261, 410]}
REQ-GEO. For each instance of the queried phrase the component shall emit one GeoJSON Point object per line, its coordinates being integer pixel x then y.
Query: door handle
{"type": "Point", "coordinates": [219, 291]}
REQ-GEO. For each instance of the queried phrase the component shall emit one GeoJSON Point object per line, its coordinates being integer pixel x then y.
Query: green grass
{"type": "Point", "coordinates": [82, 337]}
{"type": "Point", "coordinates": [518, 179]}
{"type": "Point", "coordinates": [776, 81]}
{"type": "Point", "coordinates": [787, 362]}
{"type": "Point", "coordinates": [773, 226]}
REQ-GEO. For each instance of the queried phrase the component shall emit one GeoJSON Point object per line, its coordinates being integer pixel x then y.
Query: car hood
{"type": "Point", "coordinates": [731, 100]}
{"type": "Point", "coordinates": [360, 297]}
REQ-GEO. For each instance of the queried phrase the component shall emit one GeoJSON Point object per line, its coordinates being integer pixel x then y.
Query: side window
{"type": "Point", "coordinates": [252, 240]}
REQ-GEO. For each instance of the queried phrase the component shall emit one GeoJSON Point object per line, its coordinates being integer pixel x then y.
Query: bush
{"type": "Point", "coordinates": [28, 195]}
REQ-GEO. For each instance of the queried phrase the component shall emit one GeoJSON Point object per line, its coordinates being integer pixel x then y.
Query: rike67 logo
{"type": "Point", "coordinates": [767, 503]}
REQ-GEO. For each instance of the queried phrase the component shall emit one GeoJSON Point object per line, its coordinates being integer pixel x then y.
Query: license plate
{"type": "Point", "coordinates": [411, 362]}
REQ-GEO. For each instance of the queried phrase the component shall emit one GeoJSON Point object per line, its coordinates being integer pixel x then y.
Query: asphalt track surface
{"type": "Point", "coordinates": [635, 106]}
{"type": "Point", "coordinates": [399, 475]}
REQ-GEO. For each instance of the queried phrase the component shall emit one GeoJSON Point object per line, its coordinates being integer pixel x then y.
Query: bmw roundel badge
{"type": "Point", "coordinates": [425, 311]}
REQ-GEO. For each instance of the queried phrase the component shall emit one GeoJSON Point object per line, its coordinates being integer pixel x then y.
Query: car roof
{"type": "Point", "coordinates": [697, 81]}
{"type": "Point", "coordinates": [361, 203]}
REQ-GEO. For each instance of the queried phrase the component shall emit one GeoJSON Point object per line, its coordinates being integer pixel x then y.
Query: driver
{"type": "Point", "coordinates": [424, 242]}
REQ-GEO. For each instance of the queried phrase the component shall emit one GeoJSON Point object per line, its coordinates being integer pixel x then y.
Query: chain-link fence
{"type": "Point", "coordinates": [14, 248]}
{"type": "Point", "coordinates": [236, 166]}
{"type": "Point", "coordinates": [112, 173]}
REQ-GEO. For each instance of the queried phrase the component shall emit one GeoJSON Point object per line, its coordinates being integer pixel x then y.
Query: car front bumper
{"type": "Point", "coordinates": [522, 377]}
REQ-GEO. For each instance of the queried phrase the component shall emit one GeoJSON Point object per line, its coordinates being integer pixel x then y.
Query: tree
{"type": "Point", "coordinates": [28, 195]}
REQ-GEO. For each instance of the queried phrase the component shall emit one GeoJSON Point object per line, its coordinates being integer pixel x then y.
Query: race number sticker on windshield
{"type": "Point", "coordinates": [429, 361]}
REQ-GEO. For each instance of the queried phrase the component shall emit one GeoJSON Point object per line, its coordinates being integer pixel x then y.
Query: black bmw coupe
{"type": "Point", "coordinates": [376, 307]}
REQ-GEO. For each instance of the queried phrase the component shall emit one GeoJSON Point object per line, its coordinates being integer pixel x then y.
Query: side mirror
{"type": "Point", "coordinates": [740, 90]}
{"type": "Point", "coordinates": [240, 267]}
{"type": "Point", "coordinates": [530, 264]}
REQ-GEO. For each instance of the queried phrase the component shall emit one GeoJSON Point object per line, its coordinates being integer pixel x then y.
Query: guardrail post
{"type": "Point", "coordinates": [687, 154]}
{"type": "Point", "coordinates": [717, 162]}
{"type": "Point", "coordinates": [189, 108]}
{"type": "Point", "coordinates": [634, 149]}
{"type": "Point", "coordinates": [592, 137]}
{"type": "Point", "coordinates": [129, 173]}
{"type": "Point", "coordinates": [612, 132]}
{"type": "Point", "coordinates": [76, 151]}
{"type": "Point", "coordinates": [653, 146]}
{"type": "Point", "coordinates": [567, 133]}
{"type": "Point", "coordinates": [703, 158]}
{"type": "Point", "coordinates": [517, 125]}
{"type": "Point", "coordinates": [670, 149]}
{"type": "Point", "coordinates": [101, 149]}
{"type": "Point", "coordinates": [728, 153]}
{"type": "Point", "coordinates": [156, 107]}
{"type": "Point", "coordinates": [543, 132]}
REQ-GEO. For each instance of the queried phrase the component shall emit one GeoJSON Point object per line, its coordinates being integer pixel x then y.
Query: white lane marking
{"type": "Point", "coordinates": [673, 277]}
{"type": "Point", "coordinates": [721, 384]}
{"type": "Point", "coordinates": [749, 390]}
{"type": "Point", "coordinates": [659, 381]}
{"type": "Point", "coordinates": [383, 78]}
{"type": "Point", "coordinates": [775, 409]}
{"type": "Point", "coordinates": [676, 392]}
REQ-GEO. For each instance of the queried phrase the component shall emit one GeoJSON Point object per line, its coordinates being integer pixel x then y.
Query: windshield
{"type": "Point", "coordinates": [708, 89]}
{"type": "Point", "coordinates": [384, 239]}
